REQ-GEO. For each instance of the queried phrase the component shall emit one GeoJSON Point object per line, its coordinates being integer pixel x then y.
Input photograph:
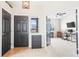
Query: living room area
{"type": "Point", "coordinates": [65, 26]}
{"type": "Point", "coordinates": [50, 32]}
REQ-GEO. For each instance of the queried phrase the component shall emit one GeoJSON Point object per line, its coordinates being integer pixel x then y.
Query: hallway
{"type": "Point", "coordinates": [58, 48]}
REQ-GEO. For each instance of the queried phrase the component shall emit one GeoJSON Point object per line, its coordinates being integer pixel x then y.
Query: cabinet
{"type": "Point", "coordinates": [59, 34]}
{"type": "Point", "coordinates": [36, 41]}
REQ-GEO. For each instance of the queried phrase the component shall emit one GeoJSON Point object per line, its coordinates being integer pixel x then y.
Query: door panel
{"type": "Point", "coordinates": [18, 27]}
{"type": "Point", "coordinates": [6, 34]}
{"type": "Point", "coordinates": [21, 31]}
{"type": "Point", "coordinates": [24, 27]}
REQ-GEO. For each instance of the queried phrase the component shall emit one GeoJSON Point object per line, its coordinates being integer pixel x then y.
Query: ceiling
{"type": "Point", "coordinates": [18, 4]}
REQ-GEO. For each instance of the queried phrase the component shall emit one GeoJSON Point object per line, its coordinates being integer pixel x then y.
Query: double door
{"type": "Point", "coordinates": [6, 31]}
{"type": "Point", "coordinates": [20, 31]}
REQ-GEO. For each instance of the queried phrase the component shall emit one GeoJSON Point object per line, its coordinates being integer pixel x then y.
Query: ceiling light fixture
{"type": "Point", "coordinates": [25, 4]}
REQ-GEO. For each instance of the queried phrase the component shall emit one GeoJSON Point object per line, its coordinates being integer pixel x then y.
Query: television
{"type": "Point", "coordinates": [71, 24]}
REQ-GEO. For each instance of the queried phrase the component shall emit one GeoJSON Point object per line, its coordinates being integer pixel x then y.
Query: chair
{"type": "Point", "coordinates": [66, 36]}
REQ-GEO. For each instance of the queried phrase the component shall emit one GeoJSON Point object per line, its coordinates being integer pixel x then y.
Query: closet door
{"type": "Point", "coordinates": [21, 31]}
{"type": "Point", "coordinates": [6, 31]}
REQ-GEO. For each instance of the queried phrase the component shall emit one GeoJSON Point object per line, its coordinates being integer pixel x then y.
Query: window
{"type": "Point", "coordinates": [34, 25]}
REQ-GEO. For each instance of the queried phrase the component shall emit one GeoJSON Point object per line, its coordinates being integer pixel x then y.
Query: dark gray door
{"type": "Point", "coordinates": [20, 31]}
{"type": "Point", "coordinates": [6, 31]}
